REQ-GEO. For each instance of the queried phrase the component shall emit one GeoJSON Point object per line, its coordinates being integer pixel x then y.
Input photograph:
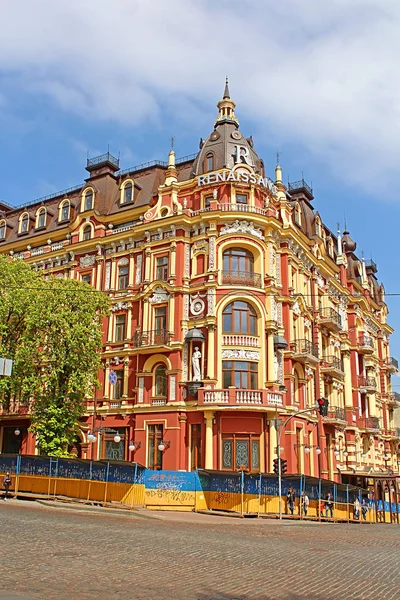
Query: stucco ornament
{"type": "Point", "coordinates": [87, 260]}
{"type": "Point", "coordinates": [296, 308]}
{"type": "Point", "coordinates": [197, 304]}
{"type": "Point", "coordinates": [246, 354]}
{"type": "Point", "coordinates": [242, 227]}
{"type": "Point", "coordinates": [119, 306]}
{"type": "Point", "coordinates": [307, 323]}
{"type": "Point", "coordinates": [196, 365]}
{"type": "Point", "coordinates": [159, 295]}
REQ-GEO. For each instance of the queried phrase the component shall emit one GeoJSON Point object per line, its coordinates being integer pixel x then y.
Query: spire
{"type": "Point", "coordinates": [278, 169]}
{"type": "Point", "coordinates": [339, 242]}
{"type": "Point", "coordinates": [226, 91]}
{"type": "Point", "coordinates": [226, 108]}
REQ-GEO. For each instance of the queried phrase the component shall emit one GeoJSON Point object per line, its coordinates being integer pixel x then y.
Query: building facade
{"type": "Point", "coordinates": [233, 308]}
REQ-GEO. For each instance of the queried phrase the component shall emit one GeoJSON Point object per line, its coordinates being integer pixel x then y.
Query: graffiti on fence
{"type": "Point", "coordinates": [169, 496]}
{"type": "Point", "coordinates": [221, 498]}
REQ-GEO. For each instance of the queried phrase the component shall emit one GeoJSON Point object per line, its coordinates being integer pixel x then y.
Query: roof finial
{"type": "Point", "coordinates": [172, 140]}
{"type": "Point", "coordinates": [278, 157]}
{"type": "Point", "coordinates": [226, 91]}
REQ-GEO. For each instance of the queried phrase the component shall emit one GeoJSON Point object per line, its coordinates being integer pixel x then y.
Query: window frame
{"type": "Point", "coordinates": [65, 204]}
{"type": "Point", "coordinates": [162, 269]}
{"type": "Point", "coordinates": [85, 229]}
{"type": "Point", "coordinates": [88, 192]}
{"type": "Point", "coordinates": [155, 434]}
{"type": "Point", "coordinates": [160, 317]}
{"type": "Point", "coordinates": [209, 157]}
{"type": "Point", "coordinates": [127, 185]}
{"type": "Point", "coordinates": [84, 277]}
{"type": "Point", "coordinates": [238, 437]}
{"type": "Point", "coordinates": [160, 389]}
{"type": "Point", "coordinates": [120, 327]}
{"type": "Point", "coordinates": [239, 198]}
{"type": "Point", "coordinates": [123, 278]}
{"type": "Point", "coordinates": [42, 212]}
{"type": "Point", "coordinates": [250, 374]}
{"type": "Point", "coordinates": [118, 387]}
{"type": "Point", "coordinates": [3, 229]}
{"type": "Point", "coordinates": [251, 327]}
{"type": "Point", "coordinates": [24, 218]}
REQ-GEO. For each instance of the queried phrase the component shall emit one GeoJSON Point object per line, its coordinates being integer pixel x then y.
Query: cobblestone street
{"type": "Point", "coordinates": [61, 554]}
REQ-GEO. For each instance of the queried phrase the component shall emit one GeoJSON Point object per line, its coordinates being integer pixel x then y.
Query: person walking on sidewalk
{"type": "Point", "coordinates": [329, 505]}
{"type": "Point", "coordinates": [305, 502]}
{"type": "Point", "coordinates": [7, 481]}
{"type": "Point", "coordinates": [291, 500]}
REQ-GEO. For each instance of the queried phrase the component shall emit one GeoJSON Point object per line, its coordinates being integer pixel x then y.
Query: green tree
{"type": "Point", "coordinates": [55, 344]}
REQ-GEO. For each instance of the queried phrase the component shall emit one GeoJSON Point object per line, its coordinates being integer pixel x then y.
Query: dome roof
{"type": "Point", "coordinates": [194, 335]}
{"type": "Point", "coordinates": [226, 146]}
{"type": "Point", "coordinates": [349, 245]}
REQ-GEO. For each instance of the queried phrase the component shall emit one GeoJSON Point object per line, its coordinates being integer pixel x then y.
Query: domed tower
{"type": "Point", "coordinates": [226, 147]}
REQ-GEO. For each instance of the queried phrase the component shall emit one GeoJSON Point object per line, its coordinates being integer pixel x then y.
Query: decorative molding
{"type": "Point", "coordinates": [159, 295]}
{"type": "Point", "coordinates": [87, 261]}
{"type": "Point", "coordinates": [242, 227]}
{"type": "Point", "coordinates": [172, 388]}
{"type": "Point", "coordinates": [197, 304]}
{"type": "Point", "coordinates": [187, 261]}
{"type": "Point", "coordinates": [186, 306]}
{"type": "Point", "coordinates": [123, 262]}
{"type": "Point", "coordinates": [296, 308]}
{"type": "Point", "coordinates": [108, 275]}
{"type": "Point", "coordinates": [211, 251]}
{"type": "Point", "coordinates": [141, 390]}
{"type": "Point", "coordinates": [211, 303]}
{"type": "Point", "coordinates": [139, 262]}
{"type": "Point", "coordinates": [185, 356]}
{"type": "Point", "coordinates": [119, 306]}
{"type": "Point", "coordinates": [307, 323]}
{"type": "Point", "coordinates": [246, 354]}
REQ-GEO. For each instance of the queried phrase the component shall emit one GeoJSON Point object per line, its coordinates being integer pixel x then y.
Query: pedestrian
{"type": "Point", "coordinates": [356, 509]}
{"type": "Point", "coordinates": [291, 500]}
{"type": "Point", "coordinates": [364, 509]}
{"type": "Point", "coordinates": [7, 481]}
{"type": "Point", "coordinates": [305, 502]}
{"type": "Point", "coordinates": [329, 505]}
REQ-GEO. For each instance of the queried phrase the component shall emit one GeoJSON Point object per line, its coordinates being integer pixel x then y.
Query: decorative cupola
{"type": "Point", "coordinates": [226, 108]}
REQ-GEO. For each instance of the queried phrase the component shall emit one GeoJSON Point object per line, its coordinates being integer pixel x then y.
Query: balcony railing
{"type": "Point", "coordinates": [239, 340]}
{"type": "Point", "coordinates": [151, 338]}
{"type": "Point", "coordinates": [331, 362]}
{"type": "Point", "coordinates": [104, 158]}
{"type": "Point", "coordinates": [367, 382]}
{"type": "Point", "coordinates": [232, 207]}
{"type": "Point", "coordinates": [393, 364]}
{"type": "Point", "coordinates": [336, 413]}
{"type": "Point", "coordinates": [304, 347]}
{"type": "Point", "coordinates": [329, 316]}
{"type": "Point", "coordinates": [365, 342]}
{"type": "Point", "coordinates": [371, 423]}
{"type": "Point", "coordinates": [241, 278]}
{"type": "Point", "coordinates": [238, 397]}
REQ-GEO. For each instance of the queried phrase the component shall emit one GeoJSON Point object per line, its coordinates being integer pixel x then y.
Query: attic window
{"type": "Point", "coordinates": [209, 166]}
{"type": "Point", "coordinates": [2, 230]}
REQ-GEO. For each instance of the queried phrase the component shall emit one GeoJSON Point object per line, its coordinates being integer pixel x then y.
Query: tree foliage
{"type": "Point", "coordinates": [52, 329]}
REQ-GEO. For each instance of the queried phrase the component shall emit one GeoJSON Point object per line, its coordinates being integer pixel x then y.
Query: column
{"type": "Point", "coordinates": [129, 323]}
{"type": "Point", "coordinates": [126, 378]}
{"type": "Point", "coordinates": [172, 266]}
{"type": "Point", "coordinates": [271, 375]}
{"type": "Point", "coordinates": [131, 269]}
{"type": "Point", "coordinates": [100, 262]}
{"type": "Point", "coordinates": [209, 417]}
{"type": "Point", "coordinates": [147, 266]}
{"type": "Point", "coordinates": [348, 388]}
{"type": "Point", "coordinates": [113, 283]}
{"type": "Point", "coordinates": [273, 442]}
{"type": "Point", "coordinates": [211, 352]}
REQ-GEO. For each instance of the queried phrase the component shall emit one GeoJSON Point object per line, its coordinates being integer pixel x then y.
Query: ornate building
{"type": "Point", "coordinates": [233, 307]}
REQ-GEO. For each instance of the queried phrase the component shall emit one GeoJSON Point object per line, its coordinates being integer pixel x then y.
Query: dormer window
{"type": "Point", "coordinates": [3, 230]}
{"type": "Point", "coordinates": [41, 218]}
{"type": "Point", "coordinates": [24, 223]}
{"type": "Point", "coordinates": [88, 203]}
{"type": "Point", "coordinates": [64, 211]}
{"type": "Point", "coordinates": [209, 166]}
{"type": "Point", "coordinates": [128, 193]}
{"type": "Point", "coordinates": [87, 233]}
{"type": "Point", "coordinates": [297, 214]}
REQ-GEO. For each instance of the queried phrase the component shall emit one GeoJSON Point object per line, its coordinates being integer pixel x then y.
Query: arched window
{"type": "Point", "coordinates": [123, 276]}
{"type": "Point", "coordinates": [240, 317]}
{"type": "Point", "coordinates": [160, 381]}
{"type": "Point", "coordinates": [2, 230]}
{"type": "Point", "coordinates": [24, 223]}
{"type": "Point", "coordinates": [88, 200]}
{"type": "Point", "coordinates": [64, 211]}
{"type": "Point", "coordinates": [209, 162]}
{"type": "Point", "coordinates": [41, 218]}
{"type": "Point", "coordinates": [87, 233]}
{"type": "Point", "coordinates": [127, 193]}
{"type": "Point", "coordinates": [238, 266]}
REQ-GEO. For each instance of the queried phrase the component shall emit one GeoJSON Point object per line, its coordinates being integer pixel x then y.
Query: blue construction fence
{"type": "Point", "coordinates": [262, 485]}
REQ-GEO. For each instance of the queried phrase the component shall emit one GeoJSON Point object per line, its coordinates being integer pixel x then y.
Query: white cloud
{"type": "Point", "coordinates": [321, 74]}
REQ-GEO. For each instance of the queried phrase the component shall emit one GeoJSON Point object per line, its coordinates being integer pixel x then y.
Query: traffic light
{"type": "Point", "coordinates": [276, 466]}
{"type": "Point", "coordinates": [283, 466]}
{"type": "Point", "coordinates": [323, 405]}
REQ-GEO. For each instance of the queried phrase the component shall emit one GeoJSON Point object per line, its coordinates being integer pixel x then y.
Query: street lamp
{"type": "Point", "coordinates": [117, 438]}
{"type": "Point", "coordinates": [17, 431]}
{"type": "Point", "coordinates": [163, 445]}
{"type": "Point", "coordinates": [134, 446]}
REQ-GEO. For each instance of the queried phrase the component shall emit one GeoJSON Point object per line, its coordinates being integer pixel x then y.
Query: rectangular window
{"type": "Point", "coordinates": [123, 277]}
{"type": "Point", "coordinates": [154, 456]}
{"type": "Point", "coordinates": [87, 278]}
{"type": "Point", "coordinates": [115, 450]}
{"type": "Point", "coordinates": [241, 198]}
{"type": "Point", "coordinates": [120, 324]}
{"type": "Point", "coordinates": [240, 374]}
{"type": "Point", "coordinates": [207, 201]}
{"type": "Point", "coordinates": [160, 319]}
{"type": "Point", "coordinates": [241, 452]}
{"type": "Point", "coordinates": [162, 268]}
{"type": "Point", "coordinates": [195, 448]}
{"type": "Point", "coordinates": [119, 385]}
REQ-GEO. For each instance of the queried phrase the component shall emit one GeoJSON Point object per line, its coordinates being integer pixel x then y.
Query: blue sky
{"type": "Point", "coordinates": [318, 83]}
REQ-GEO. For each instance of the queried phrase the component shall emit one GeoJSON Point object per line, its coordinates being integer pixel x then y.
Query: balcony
{"type": "Point", "coordinates": [241, 278]}
{"type": "Point", "coordinates": [365, 344]}
{"type": "Point", "coordinates": [304, 351]}
{"type": "Point", "coordinates": [371, 423]}
{"type": "Point", "coordinates": [300, 187]}
{"type": "Point", "coordinates": [332, 365]}
{"type": "Point", "coordinates": [236, 397]}
{"type": "Point", "coordinates": [232, 207]}
{"type": "Point", "coordinates": [331, 319]}
{"type": "Point", "coordinates": [142, 339]}
{"type": "Point", "coordinates": [392, 365]}
{"type": "Point", "coordinates": [336, 414]}
{"type": "Point", "coordinates": [367, 383]}
{"type": "Point", "coordinates": [393, 400]}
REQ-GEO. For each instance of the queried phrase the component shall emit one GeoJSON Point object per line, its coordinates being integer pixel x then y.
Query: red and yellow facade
{"type": "Point", "coordinates": [233, 307]}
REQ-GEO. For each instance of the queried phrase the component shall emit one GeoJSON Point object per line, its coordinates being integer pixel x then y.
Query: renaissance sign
{"type": "Point", "coordinates": [237, 176]}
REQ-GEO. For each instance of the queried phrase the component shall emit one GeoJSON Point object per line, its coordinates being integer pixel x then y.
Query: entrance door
{"type": "Point", "coordinates": [11, 442]}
